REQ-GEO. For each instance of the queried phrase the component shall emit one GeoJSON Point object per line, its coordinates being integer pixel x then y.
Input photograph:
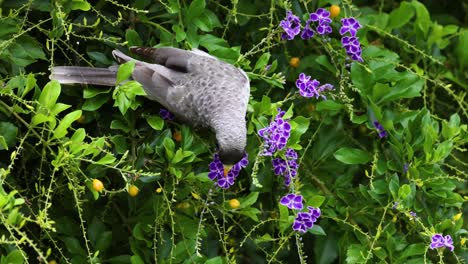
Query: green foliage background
{"type": "Point", "coordinates": [54, 140]}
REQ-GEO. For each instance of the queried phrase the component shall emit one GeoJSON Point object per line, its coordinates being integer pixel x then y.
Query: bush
{"type": "Point", "coordinates": [373, 170]}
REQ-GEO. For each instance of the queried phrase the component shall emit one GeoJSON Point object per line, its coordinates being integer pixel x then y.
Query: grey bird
{"type": "Point", "coordinates": [195, 86]}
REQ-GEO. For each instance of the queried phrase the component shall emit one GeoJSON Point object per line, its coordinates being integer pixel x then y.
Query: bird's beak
{"type": "Point", "coordinates": [227, 168]}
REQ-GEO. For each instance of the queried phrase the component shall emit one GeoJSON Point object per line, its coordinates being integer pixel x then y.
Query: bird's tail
{"type": "Point", "coordinates": [84, 75]}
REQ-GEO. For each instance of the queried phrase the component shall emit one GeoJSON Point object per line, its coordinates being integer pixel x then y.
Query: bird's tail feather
{"type": "Point", "coordinates": [84, 75]}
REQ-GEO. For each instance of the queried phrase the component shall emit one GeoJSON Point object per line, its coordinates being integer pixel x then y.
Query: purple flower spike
{"type": "Point", "coordinates": [291, 26]}
{"type": "Point", "coordinates": [380, 129]}
{"type": "Point", "coordinates": [217, 171]}
{"type": "Point", "coordinates": [350, 25]}
{"type": "Point", "coordinates": [439, 241]}
{"type": "Point", "coordinates": [287, 168]}
{"type": "Point", "coordinates": [276, 135]}
{"type": "Point", "coordinates": [352, 47]}
{"type": "Point", "coordinates": [306, 220]}
{"type": "Point", "coordinates": [310, 88]}
{"type": "Point", "coordinates": [165, 114]}
{"type": "Point", "coordinates": [292, 201]}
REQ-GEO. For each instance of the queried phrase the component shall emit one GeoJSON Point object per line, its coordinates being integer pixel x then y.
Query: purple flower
{"type": "Point", "coordinates": [276, 135]}
{"type": "Point", "coordinates": [217, 171]}
{"type": "Point", "coordinates": [350, 25]}
{"type": "Point", "coordinates": [413, 215]}
{"type": "Point", "coordinates": [165, 114]}
{"type": "Point", "coordinates": [438, 241]}
{"type": "Point", "coordinates": [306, 220]}
{"type": "Point", "coordinates": [307, 32]}
{"type": "Point", "coordinates": [395, 205]}
{"type": "Point", "coordinates": [291, 26]}
{"type": "Point", "coordinates": [352, 47]}
{"type": "Point", "coordinates": [287, 168]}
{"type": "Point", "coordinates": [292, 201]}
{"type": "Point", "coordinates": [310, 88]}
{"type": "Point", "coordinates": [321, 16]}
{"type": "Point", "coordinates": [380, 129]}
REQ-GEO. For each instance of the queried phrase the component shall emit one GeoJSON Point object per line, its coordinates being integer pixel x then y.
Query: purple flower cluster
{"type": "Point", "coordinates": [287, 168]}
{"type": "Point", "coordinates": [351, 43]}
{"type": "Point", "coordinates": [291, 26]}
{"type": "Point", "coordinates": [217, 171]}
{"type": "Point", "coordinates": [292, 201]}
{"type": "Point", "coordinates": [306, 220]}
{"type": "Point", "coordinates": [322, 17]}
{"type": "Point", "coordinates": [165, 114]}
{"type": "Point", "coordinates": [382, 132]}
{"type": "Point", "coordinates": [276, 134]}
{"type": "Point", "coordinates": [303, 220]}
{"type": "Point", "coordinates": [438, 241]}
{"type": "Point", "coordinates": [311, 88]}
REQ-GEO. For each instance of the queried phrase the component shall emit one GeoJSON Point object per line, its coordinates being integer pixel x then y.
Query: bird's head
{"type": "Point", "coordinates": [230, 157]}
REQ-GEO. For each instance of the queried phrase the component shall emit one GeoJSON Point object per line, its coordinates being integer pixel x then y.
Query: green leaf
{"type": "Point", "coordinates": [119, 124]}
{"type": "Point", "coordinates": [135, 259]}
{"type": "Point", "coordinates": [125, 71]}
{"type": "Point", "coordinates": [107, 159]}
{"type": "Point", "coordinates": [30, 84]}
{"type": "Point", "coordinates": [14, 257]}
{"type": "Point", "coordinates": [249, 200]}
{"type": "Point", "coordinates": [352, 156]}
{"type": "Point", "coordinates": [91, 91]}
{"type": "Point", "coordinates": [195, 9]}
{"type": "Point", "coordinates": [50, 94]}
{"type": "Point", "coordinates": [156, 122]}
{"type": "Point", "coordinates": [73, 245]}
{"type": "Point", "coordinates": [250, 212]}
{"type": "Point", "coordinates": [65, 123]}
{"type": "Point", "coordinates": [362, 79]}
{"type": "Point", "coordinates": [262, 61]}
{"type": "Point", "coordinates": [423, 20]}
{"type": "Point", "coordinates": [95, 103]}
{"type": "Point", "coordinates": [58, 108]}
{"type": "Point", "coordinates": [316, 200]}
{"type": "Point", "coordinates": [328, 105]}
{"type": "Point", "coordinates": [408, 86]}
{"type": "Point", "coordinates": [401, 16]}
{"type": "Point", "coordinates": [180, 33]}
{"type": "Point", "coordinates": [133, 39]}
{"type": "Point", "coordinates": [325, 62]}
{"type": "Point", "coordinates": [413, 250]}
{"type": "Point", "coordinates": [8, 132]}
{"type": "Point", "coordinates": [404, 191]}
{"type": "Point", "coordinates": [317, 230]}
{"type": "Point", "coordinates": [355, 254]}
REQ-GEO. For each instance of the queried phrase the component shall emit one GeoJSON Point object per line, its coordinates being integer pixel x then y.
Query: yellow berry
{"type": "Point", "coordinates": [294, 62]}
{"type": "Point", "coordinates": [133, 190]}
{"type": "Point", "coordinates": [457, 217]}
{"type": "Point", "coordinates": [53, 262]}
{"type": "Point", "coordinates": [158, 190]}
{"type": "Point", "coordinates": [334, 11]}
{"type": "Point", "coordinates": [98, 185]}
{"type": "Point", "coordinates": [234, 203]}
{"type": "Point", "coordinates": [195, 196]}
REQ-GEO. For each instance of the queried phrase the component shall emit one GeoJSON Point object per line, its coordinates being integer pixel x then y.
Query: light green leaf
{"type": "Point", "coordinates": [125, 71]}
{"type": "Point", "coordinates": [50, 94]}
{"type": "Point", "coordinates": [65, 123]}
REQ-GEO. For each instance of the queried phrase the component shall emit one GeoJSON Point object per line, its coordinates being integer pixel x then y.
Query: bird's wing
{"type": "Point", "coordinates": [172, 58]}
